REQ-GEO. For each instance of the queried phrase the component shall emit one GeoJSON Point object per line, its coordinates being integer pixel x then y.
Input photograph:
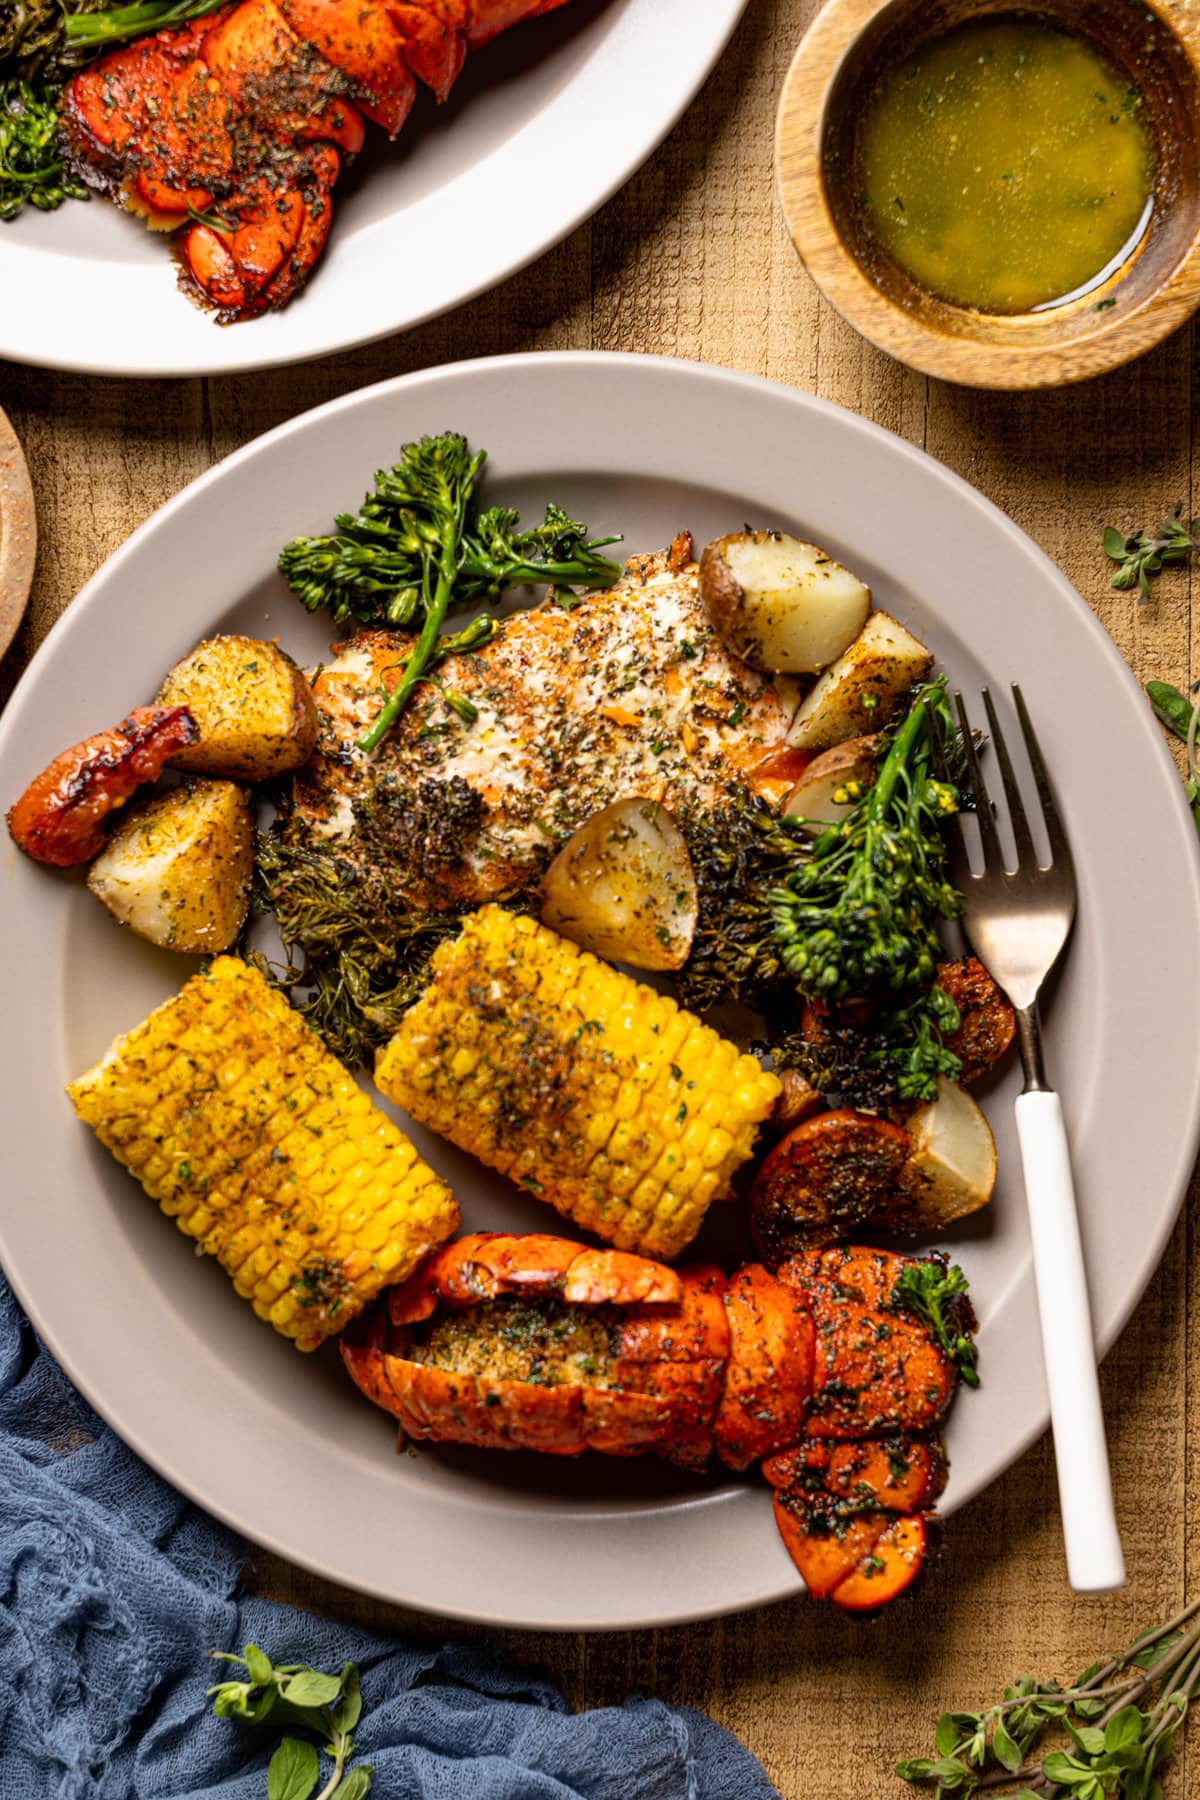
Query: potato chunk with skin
{"type": "Point", "coordinates": [860, 691]}
{"type": "Point", "coordinates": [254, 708]}
{"type": "Point", "coordinates": [832, 783]}
{"type": "Point", "coordinates": [952, 1169]}
{"type": "Point", "coordinates": [785, 606]}
{"type": "Point", "coordinates": [177, 869]}
{"type": "Point", "coordinates": [623, 887]}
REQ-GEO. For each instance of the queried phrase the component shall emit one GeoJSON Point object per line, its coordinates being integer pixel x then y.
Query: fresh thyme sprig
{"type": "Point", "coordinates": [296, 1694]}
{"type": "Point", "coordinates": [1181, 714]}
{"type": "Point", "coordinates": [1118, 1720]}
{"type": "Point", "coordinates": [1143, 553]}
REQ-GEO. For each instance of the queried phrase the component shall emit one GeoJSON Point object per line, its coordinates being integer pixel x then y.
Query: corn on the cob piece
{"type": "Point", "coordinates": [582, 1085]}
{"type": "Point", "coordinates": [261, 1147]}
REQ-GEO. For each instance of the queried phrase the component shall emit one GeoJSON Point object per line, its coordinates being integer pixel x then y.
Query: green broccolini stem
{"type": "Point", "coordinates": [90, 30]}
{"type": "Point", "coordinates": [415, 666]}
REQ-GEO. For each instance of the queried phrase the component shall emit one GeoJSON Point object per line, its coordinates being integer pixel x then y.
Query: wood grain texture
{"type": "Point", "coordinates": [1155, 289]}
{"type": "Point", "coordinates": [693, 259]}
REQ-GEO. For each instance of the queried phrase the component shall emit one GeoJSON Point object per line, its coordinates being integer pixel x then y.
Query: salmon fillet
{"type": "Point", "coordinates": [629, 693]}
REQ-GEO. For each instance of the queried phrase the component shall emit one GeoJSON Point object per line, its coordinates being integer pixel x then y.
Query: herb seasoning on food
{"type": "Point", "coordinates": [1006, 165]}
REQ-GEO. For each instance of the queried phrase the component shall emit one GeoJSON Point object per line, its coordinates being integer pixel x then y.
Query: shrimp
{"type": "Point", "coordinates": [60, 817]}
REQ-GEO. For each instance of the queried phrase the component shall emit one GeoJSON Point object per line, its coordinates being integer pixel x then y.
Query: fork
{"type": "Point", "coordinates": [1017, 922]}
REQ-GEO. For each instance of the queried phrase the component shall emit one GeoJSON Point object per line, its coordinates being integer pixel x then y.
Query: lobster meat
{"type": "Point", "coordinates": [234, 126]}
{"type": "Point", "coordinates": [820, 1371]}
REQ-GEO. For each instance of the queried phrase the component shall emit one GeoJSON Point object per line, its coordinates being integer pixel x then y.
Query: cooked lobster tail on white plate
{"type": "Point", "coordinates": [823, 1371]}
{"type": "Point", "coordinates": [235, 126]}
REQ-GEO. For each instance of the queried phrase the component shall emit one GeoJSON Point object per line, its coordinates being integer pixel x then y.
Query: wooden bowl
{"type": "Point", "coordinates": [18, 534]}
{"type": "Point", "coordinates": [1157, 287]}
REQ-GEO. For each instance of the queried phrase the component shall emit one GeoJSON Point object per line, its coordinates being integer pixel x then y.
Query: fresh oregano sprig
{"type": "Point", "coordinates": [296, 1694]}
{"type": "Point", "coordinates": [1116, 1726]}
{"type": "Point", "coordinates": [1180, 713]}
{"type": "Point", "coordinates": [1143, 553]}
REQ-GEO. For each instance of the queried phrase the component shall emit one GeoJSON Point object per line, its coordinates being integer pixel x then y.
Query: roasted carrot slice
{"type": "Point", "coordinates": [903, 1474]}
{"type": "Point", "coordinates": [892, 1565]}
{"type": "Point", "coordinates": [988, 1022]}
{"type": "Point", "coordinates": [827, 1551]}
{"type": "Point", "coordinates": [823, 1179]}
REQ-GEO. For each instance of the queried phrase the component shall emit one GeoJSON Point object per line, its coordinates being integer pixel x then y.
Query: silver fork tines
{"type": "Point", "coordinates": [1015, 919]}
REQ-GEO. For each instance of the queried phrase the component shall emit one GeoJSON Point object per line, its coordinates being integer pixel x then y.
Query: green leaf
{"type": "Point", "coordinates": [354, 1783]}
{"type": "Point", "coordinates": [1008, 1754]}
{"type": "Point", "coordinates": [949, 1734]}
{"type": "Point", "coordinates": [1090, 1708]}
{"type": "Point", "coordinates": [1064, 1769]}
{"type": "Point", "coordinates": [260, 1667]}
{"type": "Point", "coordinates": [1088, 1738]}
{"type": "Point", "coordinates": [294, 1771]}
{"type": "Point", "coordinates": [348, 1711]}
{"type": "Point", "coordinates": [311, 1688]}
{"type": "Point", "coordinates": [950, 1771]}
{"type": "Point", "coordinates": [1125, 1730]}
{"type": "Point", "coordinates": [1114, 543]}
{"type": "Point", "coordinates": [915, 1768]}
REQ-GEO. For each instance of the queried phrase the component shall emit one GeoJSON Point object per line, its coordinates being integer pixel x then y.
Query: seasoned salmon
{"type": "Point", "coordinates": [628, 693]}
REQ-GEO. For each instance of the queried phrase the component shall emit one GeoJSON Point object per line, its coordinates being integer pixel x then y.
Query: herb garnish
{"type": "Point", "coordinates": [296, 1694]}
{"type": "Point", "coordinates": [1143, 553]}
{"type": "Point", "coordinates": [937, 1293]}
{"type": "Point", "coordinates": [1119, 1720]}
{"type": "Point", "coordinates": [411, 553]}
{"type": "Point", "coordinates": [1181, 715]}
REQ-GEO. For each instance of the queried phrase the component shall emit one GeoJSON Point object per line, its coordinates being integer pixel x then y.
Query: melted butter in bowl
{"type": "Point", "coordinates": [1006, 165]}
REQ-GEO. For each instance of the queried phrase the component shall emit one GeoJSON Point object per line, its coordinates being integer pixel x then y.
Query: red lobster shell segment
{"type": "Point", "coordinates": [233, 127]}
{"type": "Point", "coordinates": [535, 1343]}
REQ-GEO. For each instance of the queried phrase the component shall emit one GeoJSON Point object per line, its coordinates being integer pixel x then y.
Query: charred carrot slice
{"type": "Point", "coordinates": [988, 1023]}
{"type": "Point", "coordinates": [823, 1179]}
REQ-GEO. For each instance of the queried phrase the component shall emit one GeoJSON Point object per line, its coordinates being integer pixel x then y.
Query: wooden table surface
{"type": "Point", "coordinates": [691, 260]}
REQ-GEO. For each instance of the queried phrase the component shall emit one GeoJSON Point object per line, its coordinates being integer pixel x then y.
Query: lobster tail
{"type": "Point", "coordinates": [536, 1343]}
{"type": "Point", "coordinates": [243, 118]}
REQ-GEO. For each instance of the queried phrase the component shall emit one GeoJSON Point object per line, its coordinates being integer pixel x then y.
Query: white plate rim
{"type": "Point", "coordinates": [1138, 1269]}
{"type": "Point", "coordinates": [664, 50]}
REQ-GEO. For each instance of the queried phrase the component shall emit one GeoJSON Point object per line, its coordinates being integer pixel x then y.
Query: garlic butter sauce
{"type": "Point", "coordinates": [1006, 165]}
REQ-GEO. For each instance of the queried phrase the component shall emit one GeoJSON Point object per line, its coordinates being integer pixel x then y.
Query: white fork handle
{"type": "Point", "coordinates": [1095, 1564]}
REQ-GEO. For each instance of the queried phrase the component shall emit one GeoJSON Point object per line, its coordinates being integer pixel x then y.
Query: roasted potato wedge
{"type": "Point", "coordinates": [832, 782]}
{"type": "Point", "coordinates": [785, 606]}
{"type": "Point", "coordinates": [177, 869]}
{"type": "Point", "coordinates": [952, 1169]}
{"type": "Point", "coordinates": [623, 887]}
{"type": "Point", "coordinates": [861, 689]}
{"type": "Point", "coordinates": [254, 708]}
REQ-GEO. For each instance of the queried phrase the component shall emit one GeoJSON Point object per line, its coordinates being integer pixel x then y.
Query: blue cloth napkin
{"type": "Point", "coordinates": [114, 1587]}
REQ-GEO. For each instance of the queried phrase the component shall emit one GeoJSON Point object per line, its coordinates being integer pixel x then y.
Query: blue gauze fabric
{"type": "Point", "coordinates": [115, 1587]}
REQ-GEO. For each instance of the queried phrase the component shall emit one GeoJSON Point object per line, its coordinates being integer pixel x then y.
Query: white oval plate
{"type": "Point", "coordinates": [542, 127]}
{"type": "Point", "coordinates": [280, 1445]}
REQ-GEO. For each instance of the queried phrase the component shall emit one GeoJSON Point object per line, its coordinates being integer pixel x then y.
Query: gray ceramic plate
{"type": "Point", "coordinates": [543, 125]}
{"type": "Point", "coordinates": [280, 1445]}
